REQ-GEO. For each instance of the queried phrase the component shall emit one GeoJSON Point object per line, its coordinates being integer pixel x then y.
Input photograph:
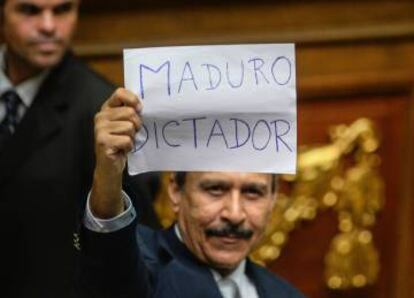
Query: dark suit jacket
{"type": "Point", "coordinates": [143, 263]}
{"type": "Point", "coordinates": [45, 172]}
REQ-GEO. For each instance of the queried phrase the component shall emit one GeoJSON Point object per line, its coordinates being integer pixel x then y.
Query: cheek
{"type": "Point", "coordinates": [18, 33]}
{"type": "Point", "coordinates": [199, 218]}
{"type": "Point", "coordinates": [194, 222]}
{"type": "Point", "coordinates": [203, 217]}
{"type": "Point", "coordinates": [209, 214]}
{"type": "Point", "coordinates": [259, 217]}
{"type": "Point", "coordinates": [67, 28]}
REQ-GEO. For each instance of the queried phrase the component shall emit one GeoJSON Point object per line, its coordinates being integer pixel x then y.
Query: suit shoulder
{"type": "Point", "coordinates": [79, 85]}
{"type": "Point", "coordinates": [148, 234]}
{"type": "Point", "coordinates": [274, 283]}
{"type": "Point", "coordinates": [148, 243]}
{"type": "Point", "coordinates": [87, 76]}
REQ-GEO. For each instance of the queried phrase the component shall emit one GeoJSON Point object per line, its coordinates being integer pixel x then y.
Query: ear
{"type": "Point", "coordinates": [274, 198]}
{"type": "Point", "coordinates": [174, 193]}
{"type": "Point", "coordinates": [1, 17]}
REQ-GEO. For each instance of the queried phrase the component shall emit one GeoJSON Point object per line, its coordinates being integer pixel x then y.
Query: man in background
{"type": "Point", "coordinates": [48, 99]}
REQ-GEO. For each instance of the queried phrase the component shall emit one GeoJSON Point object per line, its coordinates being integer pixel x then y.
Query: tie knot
{"type": "Point", "coordinates": [12, 101]}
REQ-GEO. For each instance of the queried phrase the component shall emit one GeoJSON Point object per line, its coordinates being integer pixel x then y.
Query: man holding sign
{"type": "Point", "coordinates": [221, 217]}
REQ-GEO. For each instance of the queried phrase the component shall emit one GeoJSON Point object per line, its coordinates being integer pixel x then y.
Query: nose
{"type": "Point", "coordinates": [47, 23]}
{"type": "Point", "coordinates": [233, 210]}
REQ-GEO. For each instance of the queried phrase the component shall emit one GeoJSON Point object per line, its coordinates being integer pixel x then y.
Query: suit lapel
{"type": "Point", "coordinates": [43, 120]}
{"type": "Point", "coordinates": [255, 276]}
{"type": "Point", "coordinates": [184, 273]}
{"type": "Point", "coordinates": [268, 285]}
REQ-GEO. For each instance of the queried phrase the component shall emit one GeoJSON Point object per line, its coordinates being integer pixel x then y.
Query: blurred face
{"type": "Point", "coordinates": [222, 216]}
{"type": "Point", "coordinates": [38, 32]}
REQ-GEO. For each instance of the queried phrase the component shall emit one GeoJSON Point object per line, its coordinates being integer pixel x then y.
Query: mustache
{"type": "Point", "coordinates": [230, 230]}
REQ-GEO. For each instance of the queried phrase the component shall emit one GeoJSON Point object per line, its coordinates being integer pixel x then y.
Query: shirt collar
{"type": "Point", "coordinates": [26, 90]}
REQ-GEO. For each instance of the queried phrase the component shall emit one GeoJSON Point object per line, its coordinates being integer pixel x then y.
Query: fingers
{"type": "Point", "coordinates": [120, 128]}
{"type": "Point", "coordinates": [123, 97]}
{"type": "Point", "coordinates": [117, 123]}
{"type": "Point", "coordinates": [114, 146]}
{"type": "Point", "coordinates": [124, 114]}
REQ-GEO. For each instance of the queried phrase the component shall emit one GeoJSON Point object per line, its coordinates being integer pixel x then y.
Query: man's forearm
{"type": "Point", "coordinates": [106, 199]}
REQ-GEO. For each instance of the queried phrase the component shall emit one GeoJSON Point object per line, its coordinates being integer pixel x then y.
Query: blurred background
{"type": "Point", "coordinates": [355, 59]}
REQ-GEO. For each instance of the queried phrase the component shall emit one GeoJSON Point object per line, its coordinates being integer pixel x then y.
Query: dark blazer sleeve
{"type": "Point", "coordinates": [142, 190]}
{"type": "Point", "coordinates": [111, 266]}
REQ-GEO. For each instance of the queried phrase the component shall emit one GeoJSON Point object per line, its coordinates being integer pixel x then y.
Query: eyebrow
{"type": "Point", "coordinates": [29, 3]}
{"type": "Point", "coordinates": [262, 187]}
{"type": "Point", "coordinates": [214, 182]}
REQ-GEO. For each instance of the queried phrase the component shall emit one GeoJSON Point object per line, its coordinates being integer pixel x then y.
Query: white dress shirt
{"type": "Point", "coordinates": [26, 90]}
{"type": "Point", "coordinates": [245, 286]}
{"type": "Point", "coordinates": [112, 224]}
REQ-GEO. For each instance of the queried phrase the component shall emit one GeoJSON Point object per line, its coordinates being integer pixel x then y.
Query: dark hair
{"type": "Point", "coordinates": [180, 180]}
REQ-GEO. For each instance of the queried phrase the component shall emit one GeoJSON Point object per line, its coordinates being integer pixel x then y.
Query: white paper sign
{"type": "Point", "coordinates": [214, 108]}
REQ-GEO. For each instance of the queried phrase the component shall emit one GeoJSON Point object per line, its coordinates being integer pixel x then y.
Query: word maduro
{"type": "Point", "coordinates": [208, 76]}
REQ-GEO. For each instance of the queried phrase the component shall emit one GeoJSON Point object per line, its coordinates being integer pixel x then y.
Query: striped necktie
{"type": "Point", "coordinates": [10, 121]}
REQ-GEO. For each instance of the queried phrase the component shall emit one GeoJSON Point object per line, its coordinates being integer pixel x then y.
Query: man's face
{"type": "Point", "coordinates": [39, 31]}
{"type": "Point", "coordinates": [222, 216]}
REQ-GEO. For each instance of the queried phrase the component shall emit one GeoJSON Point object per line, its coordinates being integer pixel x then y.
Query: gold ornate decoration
{"type": "Point", "coordinates": [342, 175]}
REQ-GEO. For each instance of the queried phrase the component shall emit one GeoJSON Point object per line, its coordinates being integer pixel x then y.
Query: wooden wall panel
{"type": "Point", "coordinates": [405, 265]}
{"type": "Point", "coordinates": [298, 21]}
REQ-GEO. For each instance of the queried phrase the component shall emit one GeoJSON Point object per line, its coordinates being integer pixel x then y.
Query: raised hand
{"type": "Point", "coordinates": [115, 128]}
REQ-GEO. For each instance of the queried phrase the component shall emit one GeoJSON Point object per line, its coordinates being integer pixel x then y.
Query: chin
{"type": "Point", "coordinates": [44, 61]}
{"type": "Point", "coordinates": [227, 261]}
{"type": "Point", "coordinates": [225, 268]}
